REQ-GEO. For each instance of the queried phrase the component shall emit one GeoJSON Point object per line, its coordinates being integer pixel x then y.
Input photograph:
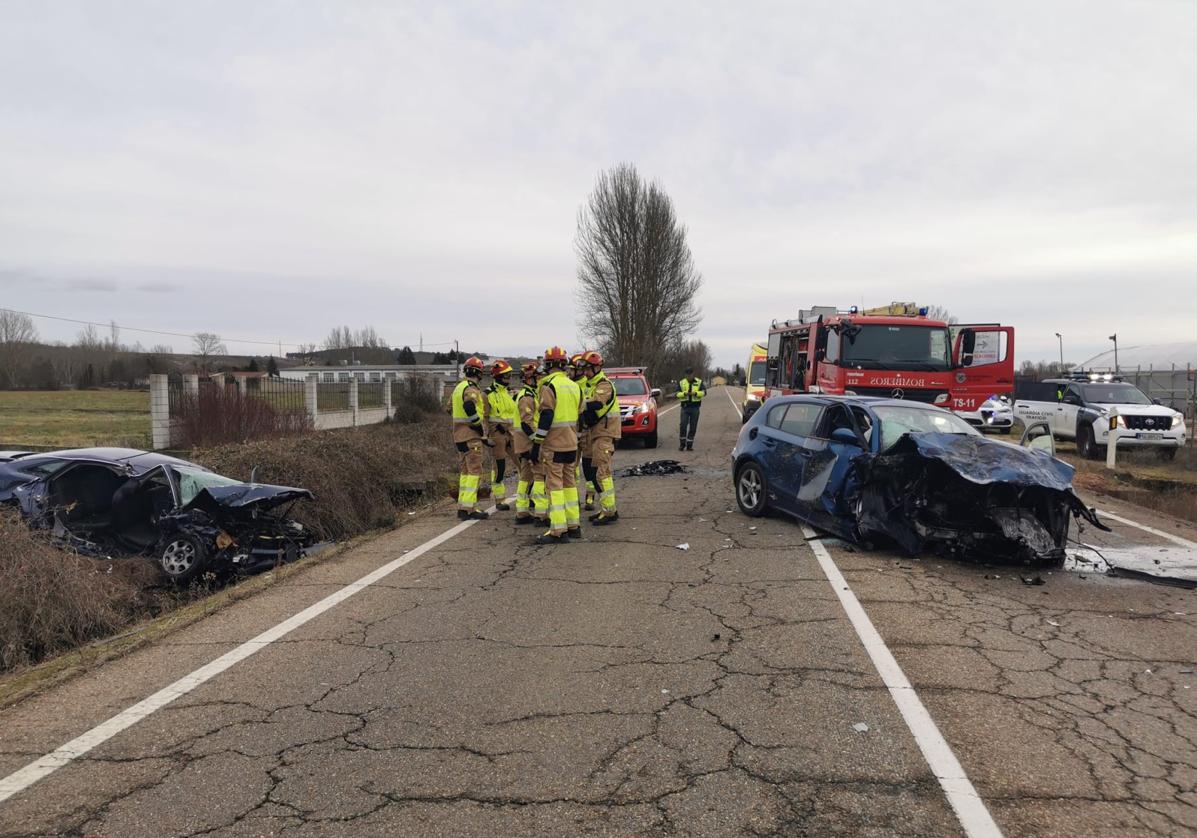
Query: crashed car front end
{"type": "Point", "coordinates": [967, 497]}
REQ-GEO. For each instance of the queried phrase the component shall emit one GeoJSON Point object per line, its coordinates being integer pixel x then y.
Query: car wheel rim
{"type": "Point", "coordinates": [750, 488]}
{"type": "Point", "coordinates": [178, 557]}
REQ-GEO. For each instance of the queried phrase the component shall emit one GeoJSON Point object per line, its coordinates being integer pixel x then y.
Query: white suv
{"type": "Point", "coordinates": [1080, 409]}
{"type": "Point", "coordinates": [993, 414]}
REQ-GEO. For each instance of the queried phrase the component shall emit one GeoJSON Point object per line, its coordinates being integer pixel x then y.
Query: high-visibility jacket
{"type": "Point", "coordinates": [691, 391]}
{"type": "Point", "coordinates": [500, 406]}
{"type": "Point", "coordinates": [560, 398]}
{"type": "Point", "coordinates": [599, 411]}
{"type": "Point", "coordinates": [466, 391]}
{"type": "Point", "coordinates": [569, 399]}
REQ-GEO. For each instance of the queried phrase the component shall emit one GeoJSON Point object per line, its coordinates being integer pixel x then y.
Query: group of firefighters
{"type": "Point", "coordinates": [561, 426]}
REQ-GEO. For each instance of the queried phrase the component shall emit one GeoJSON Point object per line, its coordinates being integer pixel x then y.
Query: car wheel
{"type": "Point", "coordinates": [182, 558]}
{"type": "Point", "coordinates": [1085, 444]}
{"type": "Point", "coordinates": [1005, 431]}
{"type": "Point", "coordinates": [751, 489]}
{"type": "Point", "coordinates": [1167, 453]}
{"type": "Point", "coordinates": [650, 441]}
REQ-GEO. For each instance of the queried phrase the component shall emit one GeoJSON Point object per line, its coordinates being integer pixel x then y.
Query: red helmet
{"type": "Point", "coordinates": [475, 365]}
{"type": "Point", "coordinates": [529, 369]}
{"type": "Point", "coordinates": [593, 358]}
{"type": "Point", "coordinates": [500, 367]}
{"type": "Point", "coordinates": [556, 354]}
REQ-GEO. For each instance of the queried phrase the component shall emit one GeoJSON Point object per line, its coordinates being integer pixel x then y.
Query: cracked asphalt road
{"type": "Point", "coordinates": [621, 685]}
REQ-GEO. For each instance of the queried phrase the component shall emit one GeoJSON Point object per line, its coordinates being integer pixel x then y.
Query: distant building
{"type": "Point", "coordinates": [368, 373]}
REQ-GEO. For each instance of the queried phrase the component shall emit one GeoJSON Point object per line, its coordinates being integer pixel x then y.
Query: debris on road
{"type": "Point", "coordinates": [683, 546]}
{"type": "Point", "coordinates": [654, 468]}
{"type": "Point", "coordinates": [860, 727]}
{"type": "Point", "coordinates": [1032, 580]}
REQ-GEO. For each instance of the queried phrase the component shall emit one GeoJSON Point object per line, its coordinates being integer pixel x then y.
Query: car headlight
{"type": "Point", "coordinates": [753, 399]}
{"type": "Point", "coordinates": [1178, 422]}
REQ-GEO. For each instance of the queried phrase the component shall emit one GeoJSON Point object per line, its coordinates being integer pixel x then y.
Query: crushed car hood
{"type": "Point", "coordinates": [970, 497]}
{"type": "Point", "coordinates": [243, 495]}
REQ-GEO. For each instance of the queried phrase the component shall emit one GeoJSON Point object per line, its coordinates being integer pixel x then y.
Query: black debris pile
{"type": "Point", "coordinates": [655, 468]}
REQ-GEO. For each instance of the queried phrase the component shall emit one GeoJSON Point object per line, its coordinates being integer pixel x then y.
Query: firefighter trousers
{"type": "Point", "coordinates": [524, 487]}
{"type": "Point", "coordinates": [561, 484]}
{"type": "Point", "coordinates": [469, 473]}
{"type": "Point", "coordinates": [603, 451]}
{"type": "Point", "coordinates": [500, 438]}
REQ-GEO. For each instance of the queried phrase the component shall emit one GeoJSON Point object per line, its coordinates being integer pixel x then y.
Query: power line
{"type": "Point", "coordinates": [187, 335]}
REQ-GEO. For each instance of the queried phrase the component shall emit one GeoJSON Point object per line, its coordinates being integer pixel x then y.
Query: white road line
{"type": "Point", "coordinates": [970, 810]}
{"type": "Point", "coordinates": [1175, 539]}
{"type": "Point", "coordinates": [25, 777]}
{"type": "Point", "coordinates": [735, 406]}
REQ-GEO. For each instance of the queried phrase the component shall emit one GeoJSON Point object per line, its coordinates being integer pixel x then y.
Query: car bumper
{"type": "Point", "coordinates": [1146, 439]}
{"type": "Point", "coordinates": [644, 423]}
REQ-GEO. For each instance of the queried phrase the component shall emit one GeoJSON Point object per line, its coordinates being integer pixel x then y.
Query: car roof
{"type": "Point", "coordinates": [132, 457]}
{"type": "Point", "coordinates": [863, 401]}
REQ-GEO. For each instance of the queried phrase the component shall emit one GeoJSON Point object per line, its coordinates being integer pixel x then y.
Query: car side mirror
{"type": "Point", "coordinates": [1156, 401]}
{"type": "Point", "coordinates": [845, 436]}
{"type": "Point", "coordinates": [656, 392]}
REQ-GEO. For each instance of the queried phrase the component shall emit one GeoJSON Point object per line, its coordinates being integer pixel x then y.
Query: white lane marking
{"type": "Point", "coordinates": [1175, 539]}
{"type": "Point", "coordinates": [25, 777]}
{"type": "Point", "coordinates": [661, 413]}
{"type": "Point", "coordinates": [970, 810]}
{"type": "Point", "coordinates": [735, 406]}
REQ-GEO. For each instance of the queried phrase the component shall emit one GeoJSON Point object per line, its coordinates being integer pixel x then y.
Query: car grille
{"type": "Point", "coordinates": [625, 410]}
{"type": "Point", "coordinates": [1148, 423]}
{"type": "Point", "coordinates": [908, 394]}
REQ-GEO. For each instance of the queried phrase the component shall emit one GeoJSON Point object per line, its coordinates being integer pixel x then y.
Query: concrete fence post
{"type": "Point", "coordinates": [191, 384]}
{"type": "Point", "coordinates": [242, 386]}
{"type": "Point", "coordinates": [311, 395]}
{"type": "Point", "coordinates": [388, 382]}
{"type": "Point", "coordinates": [159, 411]}
{"type": "Point", "coordinates": [353, 398]}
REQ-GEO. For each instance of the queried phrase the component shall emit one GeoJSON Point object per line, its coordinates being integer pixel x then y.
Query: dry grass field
{"type": "Point", "coordinates": [74, 418]}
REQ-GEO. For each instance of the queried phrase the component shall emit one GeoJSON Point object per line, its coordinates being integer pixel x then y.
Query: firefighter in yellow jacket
{"type": "Point", "coordinates": [585, 471]}
{"type": "Point", "coordinates": [531, 505]}
{"type": "Point", "coordinates": [499, 411]}
{"type": "Point", "coordinates": [601, 417]}
{"type": "Point", "coordinates": [469, 432]}
{"type": "Point", "coordinates": [555, 443]}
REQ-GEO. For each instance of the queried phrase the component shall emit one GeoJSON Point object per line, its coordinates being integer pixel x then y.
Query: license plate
{"type": "Point", "coordinates": [1149, 436]}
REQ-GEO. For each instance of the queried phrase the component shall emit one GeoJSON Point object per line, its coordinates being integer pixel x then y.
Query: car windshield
{"type": "Point", "coordinates": [1114, 394]}
{"type": "Point", "coordinates": [896, 347]}
{"type": "Point", "coordinates": [756, 374]}
{"type": "Point", "coordinates": [629, 386]}
{"type": "Point", "coordinates": [193, 480]}
{"type": "Point", "coordinates": [896, 421]}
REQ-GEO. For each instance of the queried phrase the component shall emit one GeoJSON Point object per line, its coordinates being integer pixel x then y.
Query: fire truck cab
{"type": "Point", "coordinates": [896, 352]}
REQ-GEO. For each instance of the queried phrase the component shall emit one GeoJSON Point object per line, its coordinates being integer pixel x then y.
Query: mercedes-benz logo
{"type": "Point", "coordinates": [898, 393]}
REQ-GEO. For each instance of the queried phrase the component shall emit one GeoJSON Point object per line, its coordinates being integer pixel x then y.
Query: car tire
{"type": "Point", "coordinates": [1086, 445]}
{"type": "Point", "coordinates": [751, 489]}
{"type": "Point", "coordinates": [1167, 454]}
{"type": "Point", "coordinates": [1005, 431]}
{"type": "Point", "coordinates": [650, 440]}
{"type": "Point", "coordinates": [182, 558]}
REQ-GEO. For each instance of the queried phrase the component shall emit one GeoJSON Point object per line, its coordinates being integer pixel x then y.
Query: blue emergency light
{"type": "Point", "coordinates": [923, 311]}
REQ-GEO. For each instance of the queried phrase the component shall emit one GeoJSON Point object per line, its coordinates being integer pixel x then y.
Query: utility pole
{"type": "Point", "coordinates": [457, 358]}
{"type": "Point", "coordinates": [1114, 337]}
{"type": "Point", "coordinates": [1060, 337]}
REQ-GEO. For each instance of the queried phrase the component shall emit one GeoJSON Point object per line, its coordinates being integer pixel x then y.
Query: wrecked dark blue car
{"type": "Point", "coordinates": [886, 471]}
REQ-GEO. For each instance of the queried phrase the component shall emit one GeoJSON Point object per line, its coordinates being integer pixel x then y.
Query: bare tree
{"type": "Point", "coordinates": [207, 345]}
{"type": "Point", "coordinates": [17, 337]}
{"type": "Point", "coordinates": [636, 276]}
{"type": "Point", "coordinates": [88, 338]}
{"type": "Point", "coordinates": [941, 313]}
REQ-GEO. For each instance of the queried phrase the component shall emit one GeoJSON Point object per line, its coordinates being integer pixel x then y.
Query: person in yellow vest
{"type": "Point", "coordinates": [531, 505]}
{"type": "Point", "coordinates": [585, 471]}
{"type": "Point", "coordinates": [469, 432]}
{"type": "Point", "coordinates": [603, 421]}
{"type": "Point", "coordinates": [689, 392]}
{"type": "Point", "coordinates": [555, 443]}
{"type": "Point", "coordinates": [499, 412]}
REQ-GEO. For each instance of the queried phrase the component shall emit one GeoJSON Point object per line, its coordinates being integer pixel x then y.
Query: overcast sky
{"type": "Point", "coordinates": [269, 170]}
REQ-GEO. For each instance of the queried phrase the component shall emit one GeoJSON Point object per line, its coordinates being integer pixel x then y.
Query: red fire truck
{"type": "Point", "coordinates": [895, 351]}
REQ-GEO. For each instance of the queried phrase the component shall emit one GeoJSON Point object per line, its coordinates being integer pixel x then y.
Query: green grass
{"type": "Point", "coordinates": [74, 418]}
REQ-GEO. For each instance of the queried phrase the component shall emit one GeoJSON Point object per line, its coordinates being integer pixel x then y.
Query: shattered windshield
{"type": "Point", "coordinates": [896, 348]}
{"type": "Point", "coordinates": [1114, 394]}
{"type": "Point", "coordinates": [896, 421]}
{"type": "Point", "coordinates": [193, 480]}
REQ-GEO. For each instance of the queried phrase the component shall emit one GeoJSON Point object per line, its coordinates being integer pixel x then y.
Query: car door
{"type": "Point", "coordinates": [1066, 412]}
{"type": "Point", "coordinates": [820, 498]}
{"type": "Point", "coordinates": [782, 451]}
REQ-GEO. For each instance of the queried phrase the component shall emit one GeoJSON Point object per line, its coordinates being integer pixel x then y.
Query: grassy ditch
{"type": "Point", "coordinates": [52, 601]}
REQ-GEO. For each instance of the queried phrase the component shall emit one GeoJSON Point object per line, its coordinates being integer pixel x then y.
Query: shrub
{"type": "Point", "coordinates": [218, 414]}
{"type": "Point", "coordinates": [52, 600]}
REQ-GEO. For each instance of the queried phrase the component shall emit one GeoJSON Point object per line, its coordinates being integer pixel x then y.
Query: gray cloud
{"type": "Point", "coordinates": [420, 167]}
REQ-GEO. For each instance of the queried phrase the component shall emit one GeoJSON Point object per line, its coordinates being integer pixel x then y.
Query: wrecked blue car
{"type": "Point", "coordinates": [883, 471]}
{"type": "Point", "coordinates": [122, 501]}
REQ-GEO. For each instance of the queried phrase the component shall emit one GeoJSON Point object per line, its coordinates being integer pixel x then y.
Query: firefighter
{"type": "Point", "coordinates": [499, 413]}
{"type": "Point", "coordinates": [689, 392]}
{"type": "Point", "coordinates": [585, 472]}
{"type": "Point", "coordinates": [531, 505]}
{"type": "Point", "coordinates": [555, 444]}
{"type": "Point", "coordinates": [603, 421]}
{"type": "Point", "coordinates": [469, 432]}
